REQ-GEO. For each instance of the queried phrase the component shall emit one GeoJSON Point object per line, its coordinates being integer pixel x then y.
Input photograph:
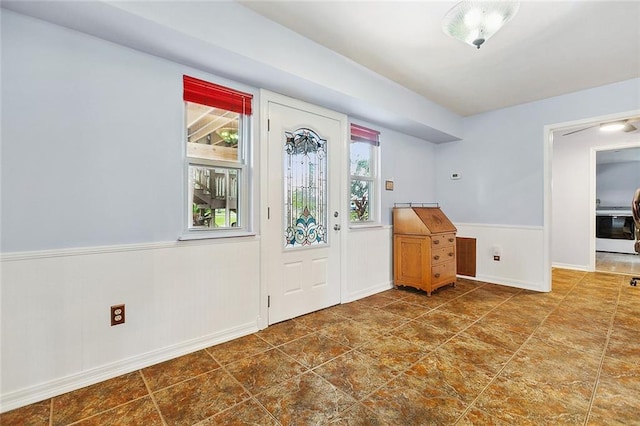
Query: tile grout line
{"type": "Point", "coordinates": [252, 396]}
{"type": "Point", "coordinates": [312, 370]}
{"type": "Point", "coordinates": [403, 371]}
{"type": "Point", "coordinates": [318, 330]}
{"type": "Point", "coordinates": [307, 369]}
{"type": "Point", "coordinates": [355, 401]}
{"type": "Point", "coordinates": [497, 374]}
{"type": "Point", "coordinates": [603, 356]}
{"type": "Point", "coordinates": [51, 412]}
{"type": "Point", "coordinates": [105, 411]}
{"type": "Point", "coordinates": [531, 336]}
{"type": "Point", "coordinates": [114, 407]}
{"type": "Point", "coordinates": [153, 398]}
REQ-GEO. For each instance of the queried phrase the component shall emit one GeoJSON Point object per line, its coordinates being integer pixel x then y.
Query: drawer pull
{"type": "Point", "coordinates": [451, 254]}
{"type": "Point", "coordinates": [450, 240]}
{"type": "Point", "coordinates": [437, 275]}
{"type": "Point", "coordinates": [436, 241]}
{"type": "Point", "coordinates": [436, 257]}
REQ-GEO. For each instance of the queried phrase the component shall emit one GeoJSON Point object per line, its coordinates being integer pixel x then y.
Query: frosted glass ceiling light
{"type": "Point", "coordinates": [474, 22]}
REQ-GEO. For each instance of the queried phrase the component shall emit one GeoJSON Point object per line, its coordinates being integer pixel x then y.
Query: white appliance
{"type": "Point", "coordinates": [615, 230]}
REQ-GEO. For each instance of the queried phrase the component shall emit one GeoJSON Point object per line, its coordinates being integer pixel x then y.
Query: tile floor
{"type": "Point", "coordinates": [619, 263]}
{"type": "Point", "coordinates": [476, 354]}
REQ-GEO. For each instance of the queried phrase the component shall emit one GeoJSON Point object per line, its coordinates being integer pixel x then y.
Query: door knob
{"type": "Point", "coordinates": [336, 227]}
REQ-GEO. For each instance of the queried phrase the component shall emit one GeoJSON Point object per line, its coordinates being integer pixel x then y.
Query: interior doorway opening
{"type": "Point", "coordinates": [570, 204]}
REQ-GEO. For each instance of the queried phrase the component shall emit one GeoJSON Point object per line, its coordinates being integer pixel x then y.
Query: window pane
{"type": "Point", "coordinates": [360, 201]}
{"type": "Point", "coordinates": [214, 195]}
{"type": "Point", "coordinates": [361, 159]}
{"type": "Point", "coordinates": [305, 188]}
{"type": "Point", "coordinates": [212, 133]}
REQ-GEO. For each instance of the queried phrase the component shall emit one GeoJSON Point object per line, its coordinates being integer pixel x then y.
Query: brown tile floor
{"type": "Point", "coordinates": [476, 354]}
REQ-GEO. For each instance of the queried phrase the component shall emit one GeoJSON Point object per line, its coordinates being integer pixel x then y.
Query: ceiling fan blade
{"type": "Point", "coordinates": [581, 130]}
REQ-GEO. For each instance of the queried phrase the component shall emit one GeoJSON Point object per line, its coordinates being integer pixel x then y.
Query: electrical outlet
{"type": "Point", "coordinates": [117, 314]}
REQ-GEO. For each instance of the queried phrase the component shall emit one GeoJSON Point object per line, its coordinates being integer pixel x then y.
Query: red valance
{"type": "Point", "coordinates": [364, 134]}
{"type": "Point", "coordinates": [205, 93]}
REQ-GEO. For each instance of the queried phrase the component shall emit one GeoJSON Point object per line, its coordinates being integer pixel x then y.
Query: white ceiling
{"type": "Point", "coordinates": [548, 49]}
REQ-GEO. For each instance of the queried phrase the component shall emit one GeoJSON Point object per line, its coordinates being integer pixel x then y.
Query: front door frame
{"type": "Point", "coordinates": [265, 98]}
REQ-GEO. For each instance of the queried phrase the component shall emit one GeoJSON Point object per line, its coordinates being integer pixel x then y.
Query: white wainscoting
{"type": "Point", "coordinates": [521, 262]}
{"type": "Point", "coordinates": [369, 262]}
{"type": "Point", "coordinates": [179, 297]}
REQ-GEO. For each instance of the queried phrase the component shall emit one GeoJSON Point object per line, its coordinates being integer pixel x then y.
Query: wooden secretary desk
{"type": "Point", "coordinates": [424, 248]}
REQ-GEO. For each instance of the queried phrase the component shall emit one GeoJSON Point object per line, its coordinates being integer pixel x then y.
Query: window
{"type": "Point", "coordinates": [216, 156]}
{"type": "Point", "coordinates": [364, 175]}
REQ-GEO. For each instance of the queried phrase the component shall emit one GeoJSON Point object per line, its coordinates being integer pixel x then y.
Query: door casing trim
{"type": "Point", "coordinates": [267, 97]}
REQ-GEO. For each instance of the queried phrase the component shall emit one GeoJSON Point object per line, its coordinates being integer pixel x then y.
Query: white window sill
{"type": "Point", "coordinates": [204, 235]}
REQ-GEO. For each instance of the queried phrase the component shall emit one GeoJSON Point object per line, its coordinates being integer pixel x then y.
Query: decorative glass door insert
{"type": "Point", "coordinates": [305, 189]}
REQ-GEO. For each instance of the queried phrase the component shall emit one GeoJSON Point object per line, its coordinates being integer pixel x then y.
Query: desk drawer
{"type": "Point", "coordinates": [444, 240]}
{"type": "Point", "coordinates": [442, 254]}
{"type": "Point", "coordinates": [443, 272]}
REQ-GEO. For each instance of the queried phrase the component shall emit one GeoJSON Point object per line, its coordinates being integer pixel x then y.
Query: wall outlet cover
{"type": "Point", "coordinates": [117, 314]}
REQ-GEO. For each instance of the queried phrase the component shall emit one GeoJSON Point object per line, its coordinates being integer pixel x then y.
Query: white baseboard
{"type": "Point", "coordinates": [369, 291]}
{"type": "Point", "coordinates": [73, 382]}
{"type": "Point", "coordinates": [569, 266]}
{"type": "Point", "coordinates": [525, 285]}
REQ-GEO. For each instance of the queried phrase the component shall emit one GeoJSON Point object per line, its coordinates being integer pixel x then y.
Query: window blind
{"type": "Point", "coordinates": [214, 95]}
{"type": "Point", "coordinates": [364, 134]}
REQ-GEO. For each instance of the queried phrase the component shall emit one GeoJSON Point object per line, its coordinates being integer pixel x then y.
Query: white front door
{"type": "Point", "coordinates": [302, 235]}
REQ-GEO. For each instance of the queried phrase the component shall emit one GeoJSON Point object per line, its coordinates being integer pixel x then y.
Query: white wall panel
{"type": "Point", "coordinates": [179, 297]}
{"type": "Point", "coordinates": [521, 250]}
{"type": "Point", "coordinates": [369, 262]}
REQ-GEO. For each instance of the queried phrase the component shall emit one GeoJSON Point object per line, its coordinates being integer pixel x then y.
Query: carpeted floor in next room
{"type": "Point", "coordinates": [476, 354]}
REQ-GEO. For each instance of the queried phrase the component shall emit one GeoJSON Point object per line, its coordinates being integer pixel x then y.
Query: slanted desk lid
{"type": "Point", "coordinates": [421, 221]}
{"type": "Point", "coordinates": [435, 219]}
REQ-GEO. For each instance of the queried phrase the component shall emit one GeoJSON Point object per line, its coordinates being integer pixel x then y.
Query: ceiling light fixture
{"type": "Point", "coordinates": [613, 126]}
{"type": "Point", "coordinates": [474, 22]}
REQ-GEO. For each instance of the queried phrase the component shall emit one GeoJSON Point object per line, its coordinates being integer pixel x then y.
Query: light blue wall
{"type": "Point", "coordinates": [92, 140]}
{"type": "Point", "coordinates": [410, 163]}
{"type": "Point", "coordinates": [500, 158]}
{"type": "Point", "coordinates": [617, 182]}
{"type": "Point", "coordinates": [92, 146]}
